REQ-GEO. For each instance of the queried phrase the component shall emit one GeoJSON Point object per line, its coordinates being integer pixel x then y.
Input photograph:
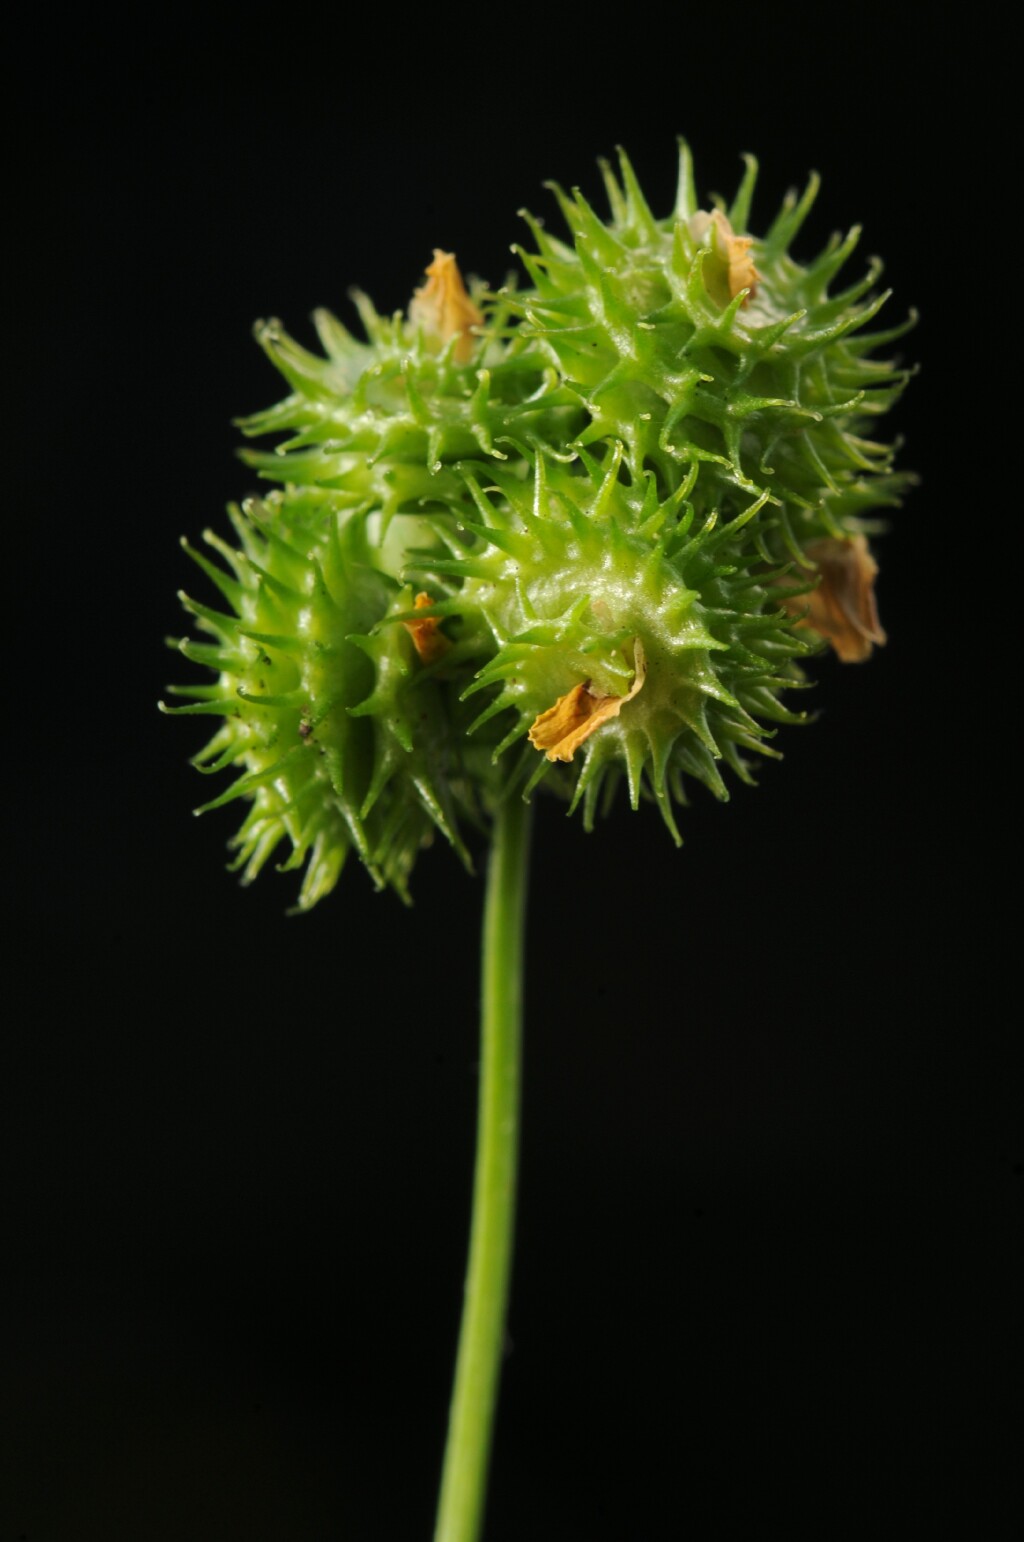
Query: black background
{"type": "Point", "coordinates": [771, 1177]}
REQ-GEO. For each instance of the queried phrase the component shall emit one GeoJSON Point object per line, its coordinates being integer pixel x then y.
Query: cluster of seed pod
{"type": "Point", "coordinates": [576, 533]}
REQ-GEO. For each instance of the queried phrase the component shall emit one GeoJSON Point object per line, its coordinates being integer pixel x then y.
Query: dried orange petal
{"type": "Point", "coordinates": [842, 608]}
{"type": "Point", "coordinates": [427, 637]}
{"type": "Point", "coordinates": [561, 730]}
{"type": "Point", "coordinates": [731, 267]}
{"type": "Point", "coordinates": [442, 306]}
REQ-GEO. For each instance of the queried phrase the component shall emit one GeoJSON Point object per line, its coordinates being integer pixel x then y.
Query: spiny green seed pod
{"type": "Point", "coordinates": [579, 532]}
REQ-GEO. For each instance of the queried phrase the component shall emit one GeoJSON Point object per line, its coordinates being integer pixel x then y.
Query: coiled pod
{"type": "Point", "coordinates": [577, 533]}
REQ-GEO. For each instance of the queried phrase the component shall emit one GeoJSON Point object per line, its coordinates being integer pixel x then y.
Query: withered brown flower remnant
{"type": "Point", "coordinates": [443, 309]}
{"type": "Point", "coordinates": [427, 638]}
{"type": "Point", "coordinates": [842, 608]}
{"type": "Point", "coordinates": [729, 267]}
{"type": "Point", "coordinates": [561, 730]}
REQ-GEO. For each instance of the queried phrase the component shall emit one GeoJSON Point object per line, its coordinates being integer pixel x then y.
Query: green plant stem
{"type": "Point", "coordinates": [481, 1340]}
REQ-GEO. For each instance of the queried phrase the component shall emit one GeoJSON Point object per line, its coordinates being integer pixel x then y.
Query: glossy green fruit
{"type": "Point", "coordinates": [577, 533]}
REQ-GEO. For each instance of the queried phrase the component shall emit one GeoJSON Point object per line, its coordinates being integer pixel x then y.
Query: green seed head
{"type": "Point", "coordinates": [576, 533]}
